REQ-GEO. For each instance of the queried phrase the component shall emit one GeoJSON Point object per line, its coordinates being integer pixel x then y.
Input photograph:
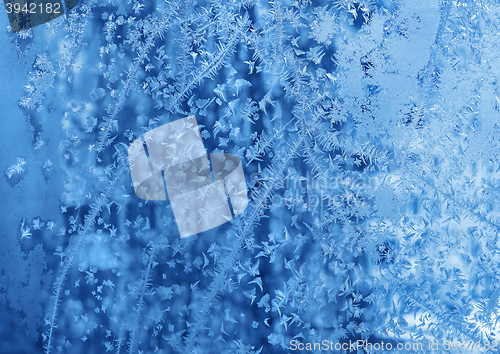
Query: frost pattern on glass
{"type": "Point", "coordinates": [367, 135]}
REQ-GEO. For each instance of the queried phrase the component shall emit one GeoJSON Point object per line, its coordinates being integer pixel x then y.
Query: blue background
{"type": "Point", "coordinates": [368, 133]}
